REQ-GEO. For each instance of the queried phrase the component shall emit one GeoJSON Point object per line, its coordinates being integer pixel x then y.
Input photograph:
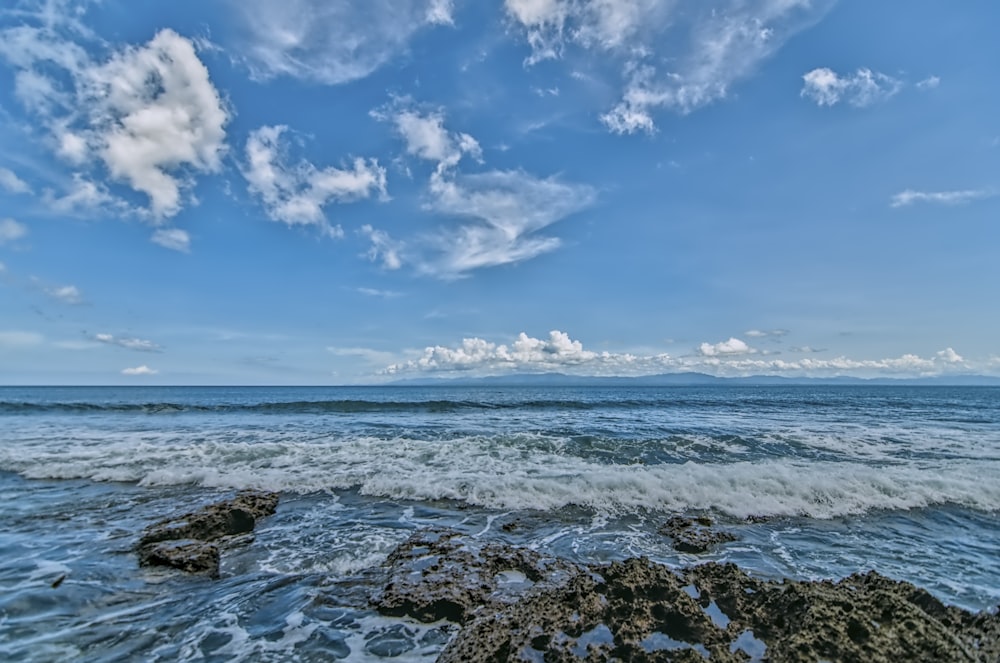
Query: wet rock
{"type": "Point", "coordinates": [694, 535]}
{"type": "Point", "coordinates": [184, 542]}
{"type": "Point", "coordinates": [187, 555]}
{"type": "Point", "coordinates": [440, 574]}
{"type": "Point", "coordinates": [516, 604]}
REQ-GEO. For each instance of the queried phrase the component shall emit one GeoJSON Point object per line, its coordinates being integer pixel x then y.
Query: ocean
{"type": "Point", "coordinates": [835, 479]}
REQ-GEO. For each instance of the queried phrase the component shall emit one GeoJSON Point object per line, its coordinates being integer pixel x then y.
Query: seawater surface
{"type": "Point", "coordinates": [903, 480]}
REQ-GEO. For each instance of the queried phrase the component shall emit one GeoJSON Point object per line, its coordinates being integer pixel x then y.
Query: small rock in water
{"type": "Point", "coordinates": [694, 535]}
{"type": "Point", "coordinates": [184, 542]}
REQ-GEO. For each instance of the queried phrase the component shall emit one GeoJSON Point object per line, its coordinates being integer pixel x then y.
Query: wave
{"type": "Point", "coordinates": [489, 472]}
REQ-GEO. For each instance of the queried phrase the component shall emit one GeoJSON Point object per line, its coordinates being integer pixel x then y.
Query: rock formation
{"type": "Point", "coordinates": [189, 541]}
{"type": "Point", "coordinates": [516, 604]}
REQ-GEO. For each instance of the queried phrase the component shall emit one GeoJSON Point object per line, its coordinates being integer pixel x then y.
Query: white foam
{"type": "Point", "coordinates": [505, 475]}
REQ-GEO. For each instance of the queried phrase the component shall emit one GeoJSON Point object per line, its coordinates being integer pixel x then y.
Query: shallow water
{"type": "Point", "coordinates": [900, 480]}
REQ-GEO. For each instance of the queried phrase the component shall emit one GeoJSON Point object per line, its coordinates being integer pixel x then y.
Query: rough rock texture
{"type": "Point", "coordinates": [185, 542]}
{"type": "Point", "coordinates": [694, 535]}
{"type": "Point", "coordinates": [637, 610]}
{"type": "Point", "coordinates": [439, 574]}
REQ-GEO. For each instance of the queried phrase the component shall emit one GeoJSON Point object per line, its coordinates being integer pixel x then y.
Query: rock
{"type": "Point", "coordinates": [438, 574]}
{"type": "Point", "coordinates": [516, 604]}
{"type": "Point", "coordinates": [183, 542]}
{"type": "Point", "coordinates": [694, 535]}
{"type": "Point", "coordinates": [188, 555]}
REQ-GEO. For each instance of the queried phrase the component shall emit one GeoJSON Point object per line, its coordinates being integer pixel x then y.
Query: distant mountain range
{"type": "Point", "coordinates": [685, 379]}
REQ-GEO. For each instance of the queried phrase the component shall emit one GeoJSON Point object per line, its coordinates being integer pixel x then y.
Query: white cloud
{"type": "Point", "coordinates": [148, 116]}
{"type": "Point", "coordinates": [731, 358]}
{"type": "Point", "coordinates": [19, 339]}
{"type": "Point", "coordinates": [383, 248]}
{"type": "Point", "coordinates": [929, 83]}
{"type": "Point", "coordinates": [296, 194]}
{"type": "Point", "coordinates": [375, 292]}
{"type": "Point", "coordinates": [12, 183]}
{"type": "Point", "coordinates": [770, 333]}
{"type": "Point", "coordinates": [555, 352]}
{"type": "Point", "coordinates": [670, 57]}
{"type": "Point", "coordinates": [129, 343]}
{"type": "Point", "coordinates": [863, 88]}
{"type": "Point", "coordinates": [426, 136]}
{"type": "Point", "coordinates": [11, 230]}
{"type": "Point", "coordinates": [502, 212]}
{"type": "Point", "coordinates": [733, 346]}
{"type": "Point", "coordinates": [331, 41]}
{"type": "Point", "coordinates": [84, 195]}
{"type": "Point", "coordinates": [154, 112]}
{"type": "Point", "coordinates": [172, 238]}
{"type": "Point", "coordinates": [909, 197]}
{"type": "Point", "coordinates": [67, 294]}
{"type": "Point", "coordinates": [140, 370]}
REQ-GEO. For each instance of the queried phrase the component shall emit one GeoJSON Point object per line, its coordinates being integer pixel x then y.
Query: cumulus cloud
{"type": "Point", "coordinates": [910, 197]}
{"type": "Point", "coordinates": [129, 343]}
{"type": "Point", "coordinates": [148, 116]}
{"type": "Point", "coordinates": [555, 352]}
{"type": "Point", "coordinates": [733, 346]}
{"type": "Point", "coordinates": [863, 88]}
{"type": "Point", "coordinates": [296, 194]}
{"type": "Point", "coordinates": [671, 57]}
{"type": "Point", "coordinates": [172, 238]}
{"type": "Point", "coordinates": [140, 370]}
{"type": "Point", "coordinates": [10, 182]}
{"type": "Point", "coordinates": [502, 213]}
{"type": "Point", "coordinates": [559, 352]}
{"type": "Point", "coordinates": [11, 230]}
{"type": "Point", "coordinates": [331, 42]}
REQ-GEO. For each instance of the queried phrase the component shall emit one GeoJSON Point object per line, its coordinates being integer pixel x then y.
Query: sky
{"type": "Point", "coordinates": [346, 192]}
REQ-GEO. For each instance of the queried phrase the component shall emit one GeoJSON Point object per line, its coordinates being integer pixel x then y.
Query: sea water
{"type": "Point", "coordinates": [838, 479]}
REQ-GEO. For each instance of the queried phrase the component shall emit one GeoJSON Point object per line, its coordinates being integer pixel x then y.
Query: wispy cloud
{"type": "Point", "coordinates": [961, 197]}
{"type": "Point", "coordinates": [331, 42]}
{"type": "Point", "coordinates": [862, 88]}
{"type": "Point", "coordinates": [375, 292]}
{"type": "Point", "coordinates": [11, 231]}
{"type": "Point", "coordinates": [296, 194]}
{"type": "Point", "coordinates": [10, 182]}
{"type": "Point", "coordinates": [128, 342]}
{"type": "Point", "coordinates": [174, 239]}
{"type": "Point", "coordinates": [670, 57]}
{"type": "Point", "coordinates": [20, 339]}
{"type": "Point", "coordinates": [67, 294]}
{"type": "Point", "coordinates": [383, 248]}
{"type": "Point", "coordinates": [504, 212]}
{"type": "Point", "coordinates": [768, 333]}
{"type": "Point", "coordinates": [139, 370]}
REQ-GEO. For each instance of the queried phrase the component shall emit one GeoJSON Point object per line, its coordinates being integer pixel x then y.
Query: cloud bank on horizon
{"type": "Point", "coordinates": [306, 191]}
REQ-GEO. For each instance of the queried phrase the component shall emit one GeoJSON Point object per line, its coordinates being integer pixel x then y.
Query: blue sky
{"type": "Point", "coordinates": [332, 192]}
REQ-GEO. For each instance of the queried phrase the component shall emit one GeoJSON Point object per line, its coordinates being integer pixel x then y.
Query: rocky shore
{"type": "Point", "coordinates": [512, 603]}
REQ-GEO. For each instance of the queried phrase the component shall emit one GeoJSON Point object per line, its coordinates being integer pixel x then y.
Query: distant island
{"type": "Point", "coordinates": [688, 379]}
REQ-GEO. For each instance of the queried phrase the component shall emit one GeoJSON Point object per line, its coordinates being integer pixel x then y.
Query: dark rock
{"type": "Point", "coordinates": [187, 555]}
{"type": "Point", "coordinates": [438, 574]}
{"type": "Point", "coordinates": [183, 542]}
{"type": "Point", "coordinates": [694, 535]}
{"type": "Point", "coordinates": [637, 610]}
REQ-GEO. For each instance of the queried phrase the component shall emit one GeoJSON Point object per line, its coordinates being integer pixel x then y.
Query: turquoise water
{"type": "Point", "coordinates": [899, 479]}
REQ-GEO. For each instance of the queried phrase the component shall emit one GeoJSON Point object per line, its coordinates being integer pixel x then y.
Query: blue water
{"type": "Point", "coordinates": [900, 479]}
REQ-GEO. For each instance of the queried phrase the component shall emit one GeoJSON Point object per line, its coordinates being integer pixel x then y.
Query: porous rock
{"type": "Point", "coordinates": [185, 541]}
{"type": "Point", "coordinates": [440, 574]}
{"type": "Point", "coordinates": [638, 610]}
{"type": "Point", "coordinates": [694, 535]}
